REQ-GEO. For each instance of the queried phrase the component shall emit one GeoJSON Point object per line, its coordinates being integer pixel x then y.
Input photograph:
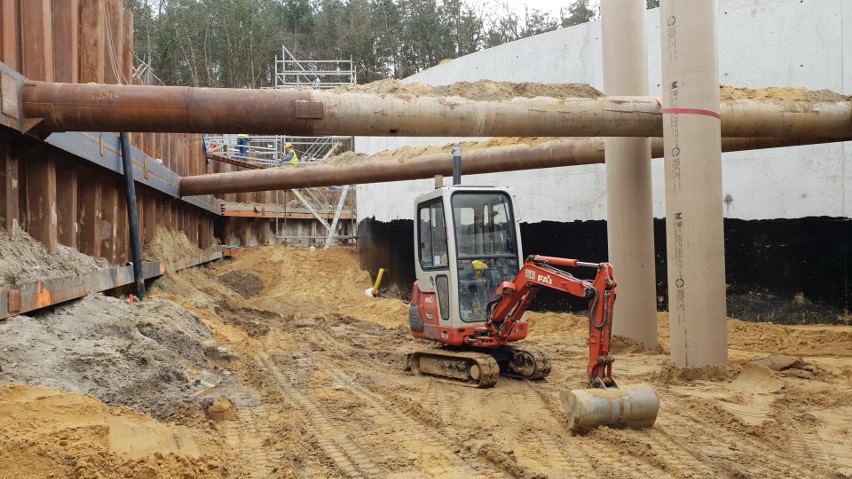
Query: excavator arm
{"type": "Point", "coordinates": [514, 298]}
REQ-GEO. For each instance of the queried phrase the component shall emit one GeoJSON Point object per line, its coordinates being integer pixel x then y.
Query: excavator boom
{"type": "Point", "coordinates": [604, 403]}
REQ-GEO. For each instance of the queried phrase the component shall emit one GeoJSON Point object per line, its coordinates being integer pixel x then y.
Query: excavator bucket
{"type": "Point", "coordinates": [635, 407]}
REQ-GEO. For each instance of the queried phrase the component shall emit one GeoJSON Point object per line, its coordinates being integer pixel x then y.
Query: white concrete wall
{"type": "Point", "coordinates": [761, 43]}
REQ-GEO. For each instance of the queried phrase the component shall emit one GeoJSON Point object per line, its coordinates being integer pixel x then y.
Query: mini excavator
{"type": "Point", "coordinates": [471, 293]}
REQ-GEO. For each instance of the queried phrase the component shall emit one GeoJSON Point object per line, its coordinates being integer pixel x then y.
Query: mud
{"type": "Point", "coordinates": [320, 393]}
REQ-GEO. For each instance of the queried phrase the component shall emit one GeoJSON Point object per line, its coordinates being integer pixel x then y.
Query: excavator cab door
{"type": "Point", "coordinates": [486, 248]}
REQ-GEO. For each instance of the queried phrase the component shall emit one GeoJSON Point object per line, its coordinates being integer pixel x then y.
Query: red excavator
{"type": "Point", "coordinates": [471, 293]}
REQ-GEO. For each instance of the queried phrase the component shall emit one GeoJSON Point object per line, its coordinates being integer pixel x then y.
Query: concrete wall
{"type": "Point", "coordinates": [762, 43]}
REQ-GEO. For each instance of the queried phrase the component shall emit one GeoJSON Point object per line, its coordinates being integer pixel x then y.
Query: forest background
{"type": "Point", "coordinates": [234, 43]}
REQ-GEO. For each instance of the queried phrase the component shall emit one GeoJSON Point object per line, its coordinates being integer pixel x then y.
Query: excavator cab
{"type": "Point", "coordinates": [467, 243]}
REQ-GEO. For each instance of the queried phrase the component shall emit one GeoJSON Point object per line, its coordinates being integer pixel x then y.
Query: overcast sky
{"type": "Point", "coordinates": [549, 6]}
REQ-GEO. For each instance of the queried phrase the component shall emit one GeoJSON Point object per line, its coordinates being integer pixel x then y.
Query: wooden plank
{"type": "Point", "coordinates": [10, 52]}
{"type": "Point", "coordinates": [112, 34]}
{"type": "Point", "coordinates": [66, 32]}
{"type": "Point", "coordinates": [127, 50]}
{"type": "Point", "coordinates": [122, 224]}
{"type": "Point", "coordinates": [66, 203]}
{"type": "Point", "coordinates": [89, 214]}
{"type": "Point", "coordinates": [37, 41]}
{"type": "Point", "coordinates": [10, 212]}
{"type": "Point", "coordinates": [92, 59]}
{"type": "Point", "coordinates": [109, 213]}
{"type": "Point", "coordinates": [41, 200]}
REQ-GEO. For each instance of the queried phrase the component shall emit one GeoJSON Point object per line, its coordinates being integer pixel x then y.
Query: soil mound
{"type": "Point", "coordinates": [786, 93]}
{"type": "Point", "coordinates": [479, 90]}
{"type": "Point", "coordinates": [671, 374]}
{"type": "Point", "coordinates": [152, 356]}
{"type": "Point", "coordinates": [169, 246]}
{"type": "Point", "coordinates": [23, 259]}
{"type": "Point", "coordinates": [47, 433]}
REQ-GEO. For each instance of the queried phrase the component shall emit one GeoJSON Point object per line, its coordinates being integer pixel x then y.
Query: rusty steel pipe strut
{"type": "Point", "coordinates": [552, 154]}
{"type": "Point", "coordinates": [50, 107]}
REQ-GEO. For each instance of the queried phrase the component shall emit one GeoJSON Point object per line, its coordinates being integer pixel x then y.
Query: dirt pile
{"type": "Point", "coordinates": [323, 283]}
{"type": "Point", "coordinates": [169, 246]}
{"type": "Point", "coordinates": [786, 93]}
{"type": "Point", "coordinates": [479, 90]}
{"type": "Point", "coordinates": [23, 259]}
{"type": "Point", "coordinates": [47, 433]}
{"type": "Point", "coordinates": [153, 356]}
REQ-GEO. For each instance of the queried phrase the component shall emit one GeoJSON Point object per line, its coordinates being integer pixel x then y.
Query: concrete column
{"type": "Point", "coordinates": [693, 172]}
{"type": "Point", "coordinates": [630, 216]}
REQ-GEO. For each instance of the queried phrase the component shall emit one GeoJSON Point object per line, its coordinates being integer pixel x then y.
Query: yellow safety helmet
{"type": "Point", "coordinates": [288, 145]}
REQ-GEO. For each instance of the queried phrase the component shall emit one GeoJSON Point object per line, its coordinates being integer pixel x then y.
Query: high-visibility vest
{"type": "Point", "coordinates": [294, 160]}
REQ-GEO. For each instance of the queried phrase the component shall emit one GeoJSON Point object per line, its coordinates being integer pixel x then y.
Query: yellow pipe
{"type": "Point", "coordinates": [375, 289]}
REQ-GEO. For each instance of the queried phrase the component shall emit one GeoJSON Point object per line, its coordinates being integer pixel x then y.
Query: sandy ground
{"type": "Point", "coordinates": [319, 392]}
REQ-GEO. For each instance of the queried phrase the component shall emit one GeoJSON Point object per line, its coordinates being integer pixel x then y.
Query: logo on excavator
{"type": "Point", "coordinates": [428, 299]}
{"type": "Point", "coordinates": [530, 274]}
{"type": "Point", "coordinates": [546, 279]}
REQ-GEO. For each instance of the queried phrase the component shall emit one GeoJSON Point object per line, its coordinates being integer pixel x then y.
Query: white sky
{"type": "Point", "coordinates": [550, 6]}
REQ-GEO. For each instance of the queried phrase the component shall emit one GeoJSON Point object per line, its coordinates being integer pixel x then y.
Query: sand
{"type": "Point", "coordinates": [320, 393]}
{"type": "Point", "coordinates": [23, 259]}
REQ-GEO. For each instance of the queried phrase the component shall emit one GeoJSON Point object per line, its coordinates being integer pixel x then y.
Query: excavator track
{"type": "Point", "coordinates": [526, 363]}
{"type": "Point", "coordinates": [470, 368]}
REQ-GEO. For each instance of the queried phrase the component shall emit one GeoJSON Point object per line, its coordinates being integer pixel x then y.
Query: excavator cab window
{"type": "Point", "coordinates": [432, 234]}
{"type": "Point", "coordinates": [485, 248]}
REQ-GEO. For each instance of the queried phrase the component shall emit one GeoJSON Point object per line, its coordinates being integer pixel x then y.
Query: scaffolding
{"type": "Point", "coordinates": [269, 151]}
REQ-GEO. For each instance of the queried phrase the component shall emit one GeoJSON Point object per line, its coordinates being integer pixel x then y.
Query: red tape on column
{"type": "Point", "coordinates": [692, 111]}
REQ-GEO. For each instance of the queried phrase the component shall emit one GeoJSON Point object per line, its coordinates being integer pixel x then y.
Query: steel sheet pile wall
{"type": "Point", "coordinates": [59, 199]}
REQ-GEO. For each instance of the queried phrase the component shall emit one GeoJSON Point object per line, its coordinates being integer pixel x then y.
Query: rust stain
{"type": "Point", "coordinates": [13, 299]}
{"type": "Point", "coordinates": [43, 298]}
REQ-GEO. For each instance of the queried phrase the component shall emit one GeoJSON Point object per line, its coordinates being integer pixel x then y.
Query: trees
{"type": "Point", "coordinates": [233, 43]}
{"type": "Point", "coordinates": [579, 12]}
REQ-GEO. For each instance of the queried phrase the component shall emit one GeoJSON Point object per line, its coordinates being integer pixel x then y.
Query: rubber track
{"type": "Point", "coordinates": [489, 369]}
{"type": "Point", "coordinates": [347, 456]}
{"type": "Point", "coordinates": [541, 360]}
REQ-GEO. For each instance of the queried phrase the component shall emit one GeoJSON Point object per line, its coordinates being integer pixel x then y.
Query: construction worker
{"type": "Point", "coordinates": [242, 142]}
{"type": "Point", "coordinates": [290, 155]}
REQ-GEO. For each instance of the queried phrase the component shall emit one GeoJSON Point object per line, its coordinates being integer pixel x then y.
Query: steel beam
{"type": "Point", "coordinates": [96, 107]}
{"type": "Point", "coordinates": [23, 298]}
{"type": "Point", "coordinates": [551, 154]}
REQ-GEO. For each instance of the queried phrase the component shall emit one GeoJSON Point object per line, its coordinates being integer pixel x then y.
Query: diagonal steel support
{"type": "Point", "coordinates": [337, 211]}
{"type": "Point", "coordinates": [311, 209]}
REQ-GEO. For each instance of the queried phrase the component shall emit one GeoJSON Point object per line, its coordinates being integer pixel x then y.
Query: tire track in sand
{"type": "Point", "coordinates": [337, 445]}
{"type": "Point", "coordinates": [246, 437]}
{"type": "Point", "coordinates": [412, 431]}
{"type": "Point", "coordinates": [772, 460]}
